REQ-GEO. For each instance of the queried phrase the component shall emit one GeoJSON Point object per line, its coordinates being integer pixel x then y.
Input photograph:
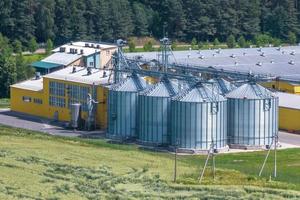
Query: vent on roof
{"type": "Point", "coordinates": [279, 48]}
{"type": "Point", "coordinates": [272, 61]}
{"type": "Point", "coordinates": [104, 74]}
{"type": "Point", "coordinates": [89, 70]}
{"type": "Point", "coordinates": [98, 46]}
{"type": "Point", "coordinates": [262, 54]}
{"type": "Point", "coordinates": [201, 56]}
{"type": "Point", "coordinates": [292, 53]}
{"type": "Point", "coordinates": [62, 49]}
{"type": "Point", "coordinates": [283, 52]}
{"type": "Point", "coordinates": [235, 63]}
{"type": "Point", "coordinates": [74, 70]}
{"type": "Point", "coordinates": [37, 75]}
{"type": "Point", "coordinates": [81, 51]}
{"type": "Point", "coordinates": [291, 62]}
{"type": "Point", "coordinates": [214, 55]}
{"type": "Point", "coordinates": [86, 45]}
{"type": "Point", "coordinates": [260, 49]}
{"type": "Point", "coordinates": [218, 51]}
{"type": "Point", "coordinates": [244, 53]}
{"type": "Point", "coordinates": [232, 56]}
{"type": "Point", "coordinates": [92, 45]}
{"type": "Point", "coordinates": [259, 64]}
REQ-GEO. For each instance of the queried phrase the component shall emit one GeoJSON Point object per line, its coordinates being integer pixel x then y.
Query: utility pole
{"type": "Point", "coordinates": [175, 161]}
{"type": "Point", "coordinates": [275, 143]}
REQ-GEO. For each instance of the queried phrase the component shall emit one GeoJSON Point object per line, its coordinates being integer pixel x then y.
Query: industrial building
{"type": "Point", "coordinates": [165, 103]}
{"type": "Point", "coordinates": [84, 72]}
{"type": "Point", "coordinates": [89, 54]}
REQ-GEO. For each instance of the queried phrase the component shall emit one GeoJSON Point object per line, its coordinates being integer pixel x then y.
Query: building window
{"type": "Point", "coordinates": [91, 64]}
{"type": "Point", "coordinates": [26, 99]}
{"type": "Point", "coordinates": [57, 102]}
{"type": "Point", "coordinates": [79, 94]}
{"type": "Point", "coordinates": [273, 86]}
{"type": "Point", "coordinates": [57, 89]}
{"type": "Point", "coordinates": [38, 101]}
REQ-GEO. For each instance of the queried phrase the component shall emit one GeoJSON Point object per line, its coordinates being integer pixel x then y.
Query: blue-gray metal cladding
{"type": "Point", "coordinates": [196, 124]}
{"type": "Point", "coordinates": [154, 113]}
{"type": "Point", "coordinates": [122, 108]}
{"type": "Point", "coordinates": [253, 120]}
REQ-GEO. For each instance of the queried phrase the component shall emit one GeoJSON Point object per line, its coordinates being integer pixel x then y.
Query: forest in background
{"type": "Point", "coordinates": [182, 20]}
{"type": "Point", "coordinates": [26, 25]}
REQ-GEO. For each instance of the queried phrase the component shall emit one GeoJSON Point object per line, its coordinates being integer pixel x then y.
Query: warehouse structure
{"type": "Point", "coordinates": [161, 104]}
{"type": "Point", "coordinates": [89, 54]}
{"type": "Point", "coordinates": [281, 62]}
{"type": "Point", "coordinates": [289, 112]}
{"type": "Point", "coordinates": [84, 73]}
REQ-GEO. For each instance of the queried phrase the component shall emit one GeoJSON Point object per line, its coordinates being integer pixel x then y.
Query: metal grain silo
{"type": "Point", "coordinates": [199, 118]}
{"type": "Point", "coordinates": [221, 85]}
{"type": "Point", "coordinates": [154, 113]}
{"type": "Point", "coordinates": [122, 108]}
{"type": "Point", "coordinates": [252, 116]}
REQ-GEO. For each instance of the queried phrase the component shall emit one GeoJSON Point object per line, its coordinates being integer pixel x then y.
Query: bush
{"type": "Point", "coordinates": [194, 43]}
{"type": "Point", "coordinates": [216, 42]}
{"type": "Point", "coordinates": [148, 46]}
{"type": "Point", "coordinates": [131, 45]}
{"type": "Point", "coordinates": [292, 38]}
{"type": "Point", "coordinates": [263, 40]}
{"type": "Point", "coordinates": [49, 46]}
{"type": "Point", "coordinates": [230, 41]}
{"type": "Point", "coordinates": [242, 42]}
{"type": "Point", "coordinates": [33, 45]}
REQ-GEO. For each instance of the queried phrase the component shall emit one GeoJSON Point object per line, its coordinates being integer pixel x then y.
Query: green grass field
{"type": "Point", "coordinates": [34, 57]}
{"type": "Point", "coordinates": [4, 103]}
{"type": "Point", "coordinates": [37, 166]}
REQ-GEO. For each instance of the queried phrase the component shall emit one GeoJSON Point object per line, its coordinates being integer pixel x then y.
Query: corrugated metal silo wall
{"type": "Point", "coordinates": [194, 125]}
{"type": "Point", "coordinates": [154, 115]}
{"type": "Point", "coordinates": [250, 122]}
{"type": "Point", "coordinates": [122, 109]}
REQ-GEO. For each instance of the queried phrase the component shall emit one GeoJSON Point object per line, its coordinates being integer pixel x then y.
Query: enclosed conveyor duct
{"type": "Point", "coordinates": [221, 86]}
{"type": "Point", "coordinates": [122, 108]}
{"type": "Point", "coordinates": [252, 116]}
{"type": "Point", "coordinates": [199, 119]}
{"type": "Point", "coordinates": [154, 113]}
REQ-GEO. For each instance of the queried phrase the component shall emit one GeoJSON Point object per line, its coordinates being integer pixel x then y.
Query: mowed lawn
{"type": "Point", "coordinates": [37, 166]}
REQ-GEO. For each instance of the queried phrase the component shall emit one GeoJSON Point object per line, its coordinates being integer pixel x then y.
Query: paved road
{"type": "Point", "coordinates": [289, 138]}
{"type": "Point", "coordinates": [19, 120]}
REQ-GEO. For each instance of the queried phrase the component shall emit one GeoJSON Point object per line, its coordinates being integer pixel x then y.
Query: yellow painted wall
{"type": "Point", "coordinates": [283, 86]}
{"type": "Point", "coordinates": [17, 103]}
{"type": "Point", "coordinates": [101, 116]}
{"type": "Point", "coordinates": [47, 111]}
{"type": "Point", "coordinates": [289, 119]}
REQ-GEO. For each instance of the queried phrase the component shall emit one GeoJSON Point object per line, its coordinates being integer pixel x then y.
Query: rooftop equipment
{"type": "Point", "coordinates": [199, 119]}
{"type": "Point", "coordinates": [122, 108]}
{"type": "Point", "coordinates": [252, 115]}
{"type": "Point", "coordinates": [155, 111]}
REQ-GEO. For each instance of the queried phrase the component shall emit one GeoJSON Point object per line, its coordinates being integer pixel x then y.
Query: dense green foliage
{"type": "Point", "coordinates": [13, 67]}
{"type": "Point", "coordinates": [66, 20]}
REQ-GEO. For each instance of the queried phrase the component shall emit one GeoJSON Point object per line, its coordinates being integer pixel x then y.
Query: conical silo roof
{"type": "Point", "coordinates": [199, 93]}
{"type": "Point", "coordinates": [133, 83]}
{"type": "Point", "coordinates": [250, 91]}
{"type": "Point", "coordinates": [222, 86]}
{"type": "Point", "coordinates": [165, 88]}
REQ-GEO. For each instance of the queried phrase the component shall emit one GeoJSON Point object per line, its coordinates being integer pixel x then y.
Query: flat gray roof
{"type": "Point", "coordinates": [287, 100]}
{"type": "Point", "coordinates": [283, 62]}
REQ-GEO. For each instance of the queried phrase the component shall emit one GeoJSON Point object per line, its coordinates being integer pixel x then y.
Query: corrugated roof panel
{"type": "Point", "coordinates": [45, 65]}
{"type": "Point", "coordinates": [222, 86]}
{"type": "Point", "coordinates": [131, 84]}
{"type": "Point", "coordinates": [62, 58]}
{"type": "Point", "coordinates": [250, 91]}
{"type": "Point", "coordinates": [199, 93]}
{"type": "Point", "coordinates": [164, 88]}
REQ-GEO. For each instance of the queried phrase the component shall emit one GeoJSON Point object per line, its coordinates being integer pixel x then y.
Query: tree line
{"type": "Point", "coordinates": [65, 20]}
